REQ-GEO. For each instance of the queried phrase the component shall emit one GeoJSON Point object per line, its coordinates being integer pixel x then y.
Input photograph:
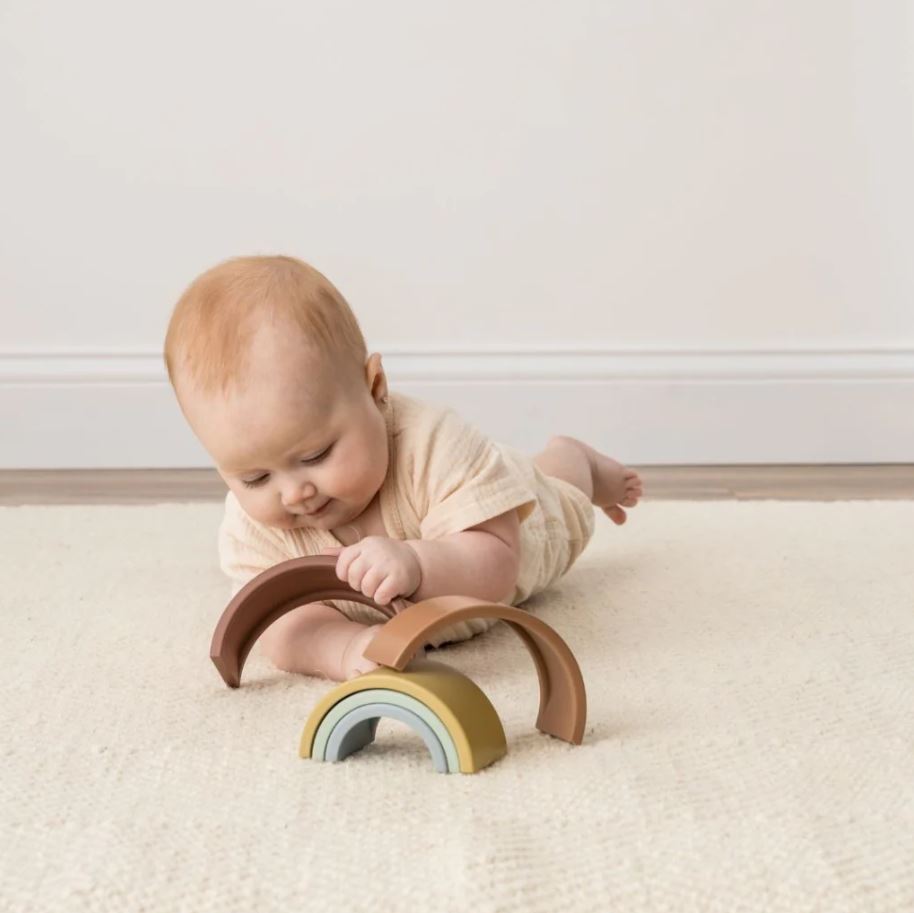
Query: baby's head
{"type": "Point", "coordinates": [270, 369]}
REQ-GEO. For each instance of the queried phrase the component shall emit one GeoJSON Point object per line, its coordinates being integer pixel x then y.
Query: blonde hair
{"type": "Point", "coordinates": [210, 329]}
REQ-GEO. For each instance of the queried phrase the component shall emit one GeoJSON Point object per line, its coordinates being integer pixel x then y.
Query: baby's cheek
{"type": "Point", "coordinates": [351, 481]}
{"type": "Point", "coordinates": [259, 507]}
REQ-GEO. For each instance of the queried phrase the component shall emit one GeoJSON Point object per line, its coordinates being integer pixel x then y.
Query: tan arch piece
{"type": "Point", "coordinates": [289, 584]}
{"type": "Point", "coordinates": [563, 700]}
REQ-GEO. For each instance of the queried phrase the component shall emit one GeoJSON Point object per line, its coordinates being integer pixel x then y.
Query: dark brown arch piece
{"type": "Point", "coordinates": [268, 596]}
{"type": "Point", "coordinates": [283, 587]}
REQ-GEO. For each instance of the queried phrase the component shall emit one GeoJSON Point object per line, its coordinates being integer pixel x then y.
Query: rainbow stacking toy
{"type": "Point", "coordinates": [454, 718]}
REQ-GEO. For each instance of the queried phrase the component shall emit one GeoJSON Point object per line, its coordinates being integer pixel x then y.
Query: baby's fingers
{"type": "Point", "coordinates": [386, 591]}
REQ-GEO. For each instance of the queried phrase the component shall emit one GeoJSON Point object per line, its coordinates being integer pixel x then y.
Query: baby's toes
{"type": "Point", "coordinates": [616, 514]}
{"type": "Point", "coordinates": [632, 495]}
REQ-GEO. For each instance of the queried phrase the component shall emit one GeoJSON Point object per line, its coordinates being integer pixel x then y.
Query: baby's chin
{"type": "Point", "coordinates": [303, 523]}
{"type": "Point", "coordinates": [333, 516]}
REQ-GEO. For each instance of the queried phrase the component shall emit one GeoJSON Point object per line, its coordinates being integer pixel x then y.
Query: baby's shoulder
{"type": "Point", "coordinates": [427, 422]}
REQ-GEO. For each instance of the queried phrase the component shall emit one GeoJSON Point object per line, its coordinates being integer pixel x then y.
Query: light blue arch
{"type": "Point", "coordinates": [357, 728]}
{"type": "Point", "coordinates": [385, 696]}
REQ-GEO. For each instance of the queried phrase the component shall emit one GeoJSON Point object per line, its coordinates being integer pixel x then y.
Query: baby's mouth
{"type": "Point", "coordinates": [298, 519]}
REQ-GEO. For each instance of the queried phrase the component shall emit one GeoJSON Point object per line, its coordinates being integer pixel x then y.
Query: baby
{"type": "Point", "coordinates": [271, 371]}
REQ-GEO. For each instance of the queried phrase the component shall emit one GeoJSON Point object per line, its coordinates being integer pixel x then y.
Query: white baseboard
{"type": "Point", "coordinates": [114, 409]}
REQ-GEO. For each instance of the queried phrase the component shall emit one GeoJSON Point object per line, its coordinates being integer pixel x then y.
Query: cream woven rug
{"type": "Point", "coordinates": [750, 737]}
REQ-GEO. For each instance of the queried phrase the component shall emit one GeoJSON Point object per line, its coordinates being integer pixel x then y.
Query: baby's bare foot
{"type": "Point", "coordinates": [614, 486]}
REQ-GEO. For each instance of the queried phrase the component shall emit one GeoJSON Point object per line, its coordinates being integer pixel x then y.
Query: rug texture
{"type": "Point", "coordinates": [749, 743]}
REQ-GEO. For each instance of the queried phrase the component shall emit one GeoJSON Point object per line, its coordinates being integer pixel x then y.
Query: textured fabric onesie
{"type": "Point", "coordinates": [444, 476]}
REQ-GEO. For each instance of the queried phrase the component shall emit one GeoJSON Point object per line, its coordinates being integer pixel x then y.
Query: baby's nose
{"type": "Point", "coordinates": [296, 494]}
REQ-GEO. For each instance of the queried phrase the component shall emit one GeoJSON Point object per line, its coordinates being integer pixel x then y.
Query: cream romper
{"type": "Point", "coordinates": [444, 476]}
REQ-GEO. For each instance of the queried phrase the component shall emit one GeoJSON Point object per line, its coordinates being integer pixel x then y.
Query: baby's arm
{"type": "Point", "coordinates": [316, 639]}
{"type": "Point", "coordinates": [468, 563]}
{"type": "Point", "coordinates": [482, 561]}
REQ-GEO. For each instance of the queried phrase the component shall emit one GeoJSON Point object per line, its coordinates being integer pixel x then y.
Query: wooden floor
{"type": "Point", "coordinates": [742, 483]}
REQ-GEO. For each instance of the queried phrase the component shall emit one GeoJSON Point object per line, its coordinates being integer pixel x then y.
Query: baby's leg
{"type": "Point", "coordinates": [605, 481]}
{"type": "Point", "coordinates": [317, 639]}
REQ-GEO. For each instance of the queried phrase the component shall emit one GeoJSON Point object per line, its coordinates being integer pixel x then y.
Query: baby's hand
{"type": "Point", "coordinates": [379, 567]}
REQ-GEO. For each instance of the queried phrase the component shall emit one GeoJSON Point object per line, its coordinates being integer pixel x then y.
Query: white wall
{"type": "Point", "coordinates": [714, 199]}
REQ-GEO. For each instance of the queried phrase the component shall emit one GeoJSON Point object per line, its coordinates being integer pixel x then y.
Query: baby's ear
{"type": "Point", "coordinates": [374, 375]}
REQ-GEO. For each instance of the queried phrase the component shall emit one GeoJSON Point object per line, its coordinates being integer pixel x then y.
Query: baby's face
{"type": "Point", "coordinates": [298, 438]}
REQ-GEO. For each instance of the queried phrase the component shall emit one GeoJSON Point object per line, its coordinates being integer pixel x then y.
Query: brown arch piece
{"type": "Point", "coordinates": [268, 596]}
{"type": "Point", "coordinates": [289, 584]}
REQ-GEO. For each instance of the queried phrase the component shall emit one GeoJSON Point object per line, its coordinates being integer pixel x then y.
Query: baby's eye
{"type": "Point", "coordinates": [254, 483]}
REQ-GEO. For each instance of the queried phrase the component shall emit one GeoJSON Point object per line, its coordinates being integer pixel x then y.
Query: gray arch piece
{"type": "Point", "coordinates": [384, 696]}
{"type": "Point", "coordinates": [357, 728]}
